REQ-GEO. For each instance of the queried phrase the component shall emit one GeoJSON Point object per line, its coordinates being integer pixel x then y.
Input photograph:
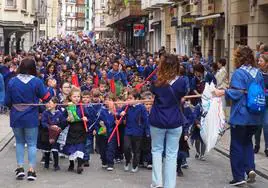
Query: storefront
{"type": "Point", "coordinates": [213, 28]}
{"type": "Point", "coordinates": [188, 35]}
{"type": "Point", "coordinates": [156, 26]}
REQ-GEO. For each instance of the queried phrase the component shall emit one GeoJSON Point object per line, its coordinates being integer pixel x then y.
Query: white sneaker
{"type": "Point", "coordinates": [110, 168]}
{"type": "Point", "coordinates": [251, 177]}
{"type": "Point", "coordinates": [149, 166]}
{"type": "Point", "coordinates": [126, 167]}
{"type": "Point", "coordinates": [134, 170]}
{"type": "Point", "coordinates": [156, 186]}
{"type": "Point", "coordinates": [104, 166]}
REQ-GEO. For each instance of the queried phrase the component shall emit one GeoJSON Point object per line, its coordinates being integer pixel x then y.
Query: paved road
{"type": "Point", "coordinates": [213, 173]}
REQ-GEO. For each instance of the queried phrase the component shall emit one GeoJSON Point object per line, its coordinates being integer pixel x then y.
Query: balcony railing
{"type": "Point", "coordinates": [80, 2]}
{"type": "Point", "coordinates": [71, 28]}
{"type": "Point", "coordinates": [70, 14]}
{"type": "Point", "coordinates": [80, 15]}
{"type": "Point", "coordinates": [70, 1]}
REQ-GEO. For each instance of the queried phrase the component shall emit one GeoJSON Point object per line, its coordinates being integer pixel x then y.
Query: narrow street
{"type": "Point", "coordinates": [213, 173]}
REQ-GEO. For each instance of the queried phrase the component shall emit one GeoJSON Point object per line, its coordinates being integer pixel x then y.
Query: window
{"type": "Point", "coordinates": [11, 3]}
{"type": "Point", "coordinates": [42, 21]}
{"type": "Point", "coordinates": [244, 34]}
{"type": "Point", "coordinates": [87, 13]}
{"type": "Point", "coordinates": [87, 26]}
{"type": "Point", "coordinates": [102, 21]}
{"type": "Point", "coordinates": [24, 4]}
{"type": "Point", "coordinates": [33, 6]}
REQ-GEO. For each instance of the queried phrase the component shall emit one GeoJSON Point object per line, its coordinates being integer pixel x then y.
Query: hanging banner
{"type": "Point", "coordinates": [138, 30]}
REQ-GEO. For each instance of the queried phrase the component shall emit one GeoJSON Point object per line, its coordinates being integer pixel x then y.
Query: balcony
{"type": "Point", "coordinates": [71, 28]}
{"type": "Point", "coordinates": [70, 14]}
{"type": "Point", "coordinates": [70, 1]}
{"type": "Point", "coordinates": [160, 3]}
{"type": "Point", "coordinates": [80, 2]}
{"type": "Point", "coordinates": [263, 2]}
{"type": "Point", "coordinates": [80, 15]}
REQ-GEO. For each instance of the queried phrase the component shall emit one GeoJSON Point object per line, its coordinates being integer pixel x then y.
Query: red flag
{"type": "Point", "coordinates": [96, 81]}
{"type": "Point", "coordinates": [112, 85]}
{"type": "Point", "coordinates": [75, 81]}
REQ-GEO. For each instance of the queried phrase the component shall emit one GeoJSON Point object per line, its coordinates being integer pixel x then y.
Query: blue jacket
{"type": "Point", "coordinates": [2, 90]}
{"type": "Point", "coordinates": [165, 113]}
{"type": "Point", "coordinates": [25, 89]}
{"type": "Point", "coordinates": [117, 76]}
{"type": "Point", "coordinates": [93, 118]}
{"type": "Point", "coordinates": [239, 112]}
{"type": "Point", "coordinates": [56, 118]}
{"type": "Point", "coordinates": [136, 120]}
{"type": "Point", "coordinates": [103, 114]}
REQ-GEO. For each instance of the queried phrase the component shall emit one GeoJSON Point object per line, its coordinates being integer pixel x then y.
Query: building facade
{"type": "Point", "coordinates": [73, 13]}
{"type": "Point", "coordinates": [100, 18]}
{"type": "Point", "coordinates": [129, 23]}
{"type": "Point", "coordinates": [17, 25]}
{"type": "Point", "coordinates": [88, 15]}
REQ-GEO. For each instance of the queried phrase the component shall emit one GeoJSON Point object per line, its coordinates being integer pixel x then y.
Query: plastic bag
{"type": "Point", "coordinates": [213, 119]}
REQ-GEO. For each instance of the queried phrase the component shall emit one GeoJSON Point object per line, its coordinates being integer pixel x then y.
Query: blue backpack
{"type": "Point", "coordinates": [256, 101]}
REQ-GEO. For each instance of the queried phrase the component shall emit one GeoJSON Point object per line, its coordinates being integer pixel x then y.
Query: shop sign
{"type": "Point", "coordinates": [207, 22]}
{"type": "Point", "coordinates": [138, 30]}
{"type": "Point", "coordinates": [156, 24]}
{"type": "Point", "coordinates": [188, 20]}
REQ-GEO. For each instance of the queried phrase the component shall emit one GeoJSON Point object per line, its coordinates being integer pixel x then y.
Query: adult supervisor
{"type": "Point", "coordinates": [166, 120]}
{"type": "Point", "coordinates": [25, 88]}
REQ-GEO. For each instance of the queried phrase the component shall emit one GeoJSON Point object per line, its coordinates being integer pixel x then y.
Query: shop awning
{"type": "Point", "coordinates": [209, 16]}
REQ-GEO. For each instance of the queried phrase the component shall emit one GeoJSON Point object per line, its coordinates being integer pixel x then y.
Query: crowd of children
{"type": "Point", "coordinates": [97, 74]}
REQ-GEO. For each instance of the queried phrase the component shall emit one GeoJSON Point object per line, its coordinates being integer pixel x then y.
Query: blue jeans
{"type": "Point", "coordinates": [28, 136]}
{"type": "Point", "coordinates": [265, 128]}
{"type": "Point", "coordinates": [159, 137]}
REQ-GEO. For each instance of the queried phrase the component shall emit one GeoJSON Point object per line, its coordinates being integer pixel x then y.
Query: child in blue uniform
{"type": "Point", "coordinates": [104, 126]}
{"type": "Point", "coordinates": [136, 124]}
{"type": "Point", "coordinates": [76, 137]}
{"type": "Point", "coordinates": [91, 120]}
{"type": "Point", "coordinates": [52, 119]}
{"type": "Point", "coordinates": [195, 134]}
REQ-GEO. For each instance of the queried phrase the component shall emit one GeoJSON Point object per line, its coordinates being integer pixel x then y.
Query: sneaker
{"type": "Point", "coordinates": [31, 176]}
{"type": "Point", "coordinates": [149, 166]}
{"type": "Point", "coordinates": [266, 152]}
{"type": "Point", "coordinates": [110, 168]}
{"type": "Point", "coordinates": [62, 156]}
{"type": "Point", "coordinates": [104, 166]}
{"type": "Point", "coordinates": [156, 186]}
{"type": "Point", "coordinates": [197, 156]}
{"type": "Point", "coordinates": [71, 168]}
{"type": "Point", "coordinates": [127, 167]}
{"type": "Point", "coordinates": [202, 158]}
{"type": "Point", "coordinates": [251, 177]}
{"type": "Point", "coordinates": [118, 160]}
{"type": "Point", "coordinates": [79, 170]}
{"type": "Point", "coordinates": [236, 183]}
{"type": "Point", "coordinates": [20, 173]}
{"type": "Point", "coordinates": [185, 165]}
{"type": "Point", "coordinates": [56, 168]}
{"type": "Point", "coordinates": [134, 170]}
{"type": "Point", "coordinates": [86, 163]}
{"type": "Point", "coordinates": [256, 149]}
{"type": "Point", "coordinates": [42, 160]}
{"type": "Point", "coordinates": [179, 172]}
